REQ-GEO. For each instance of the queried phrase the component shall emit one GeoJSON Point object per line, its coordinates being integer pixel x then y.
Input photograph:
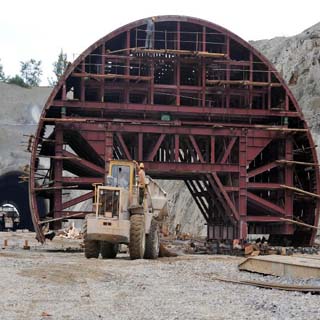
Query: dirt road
{"type": "Point", "coordinates": [53, 282]}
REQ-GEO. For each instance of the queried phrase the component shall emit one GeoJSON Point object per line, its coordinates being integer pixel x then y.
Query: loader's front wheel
{"type": "Point", "coordinates": [152, 241]}
{"type": "Point", "coordinates": [108, 250]}
{"type": "Point", "coordinates": [91, 247]}
{"type": "Point", "coordinates": [137, 237]}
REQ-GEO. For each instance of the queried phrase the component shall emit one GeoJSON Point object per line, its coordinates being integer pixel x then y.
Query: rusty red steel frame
{"type": "Point", "coordinates": [202, 106]}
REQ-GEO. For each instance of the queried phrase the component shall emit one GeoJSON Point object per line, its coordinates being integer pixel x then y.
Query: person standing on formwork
{"type": "Point", "coordinates": [150, 33]}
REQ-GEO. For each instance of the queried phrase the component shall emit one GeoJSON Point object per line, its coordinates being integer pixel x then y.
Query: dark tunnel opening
{"type": "Point", "coordinates": [16, 193]}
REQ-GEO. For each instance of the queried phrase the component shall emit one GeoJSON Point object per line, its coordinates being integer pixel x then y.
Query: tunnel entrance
{"type": "Point", "coordinates": [14, 197]}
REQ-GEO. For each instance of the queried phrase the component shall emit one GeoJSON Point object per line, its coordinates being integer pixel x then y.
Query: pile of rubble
{"type": "Point", "coordinates": [186, 244]}
{"type": "Point", "coordinates": [70, 232]}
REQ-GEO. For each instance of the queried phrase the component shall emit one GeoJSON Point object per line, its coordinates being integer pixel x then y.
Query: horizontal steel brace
{"type": "Point", "coordinates": [75, 214]}
{"type": "Point", "coordinates": [266, 186]}
{"type": "Point", "coordinates": [80, 180]}
{"type": "Point", "coordinates": [163, 128]}
{"type": "Point", "coordinates": [173, 109]}
{"type": "Point", "coordinates": [263, 219]}
{"type": "Point", "coordinates": [188, 168]}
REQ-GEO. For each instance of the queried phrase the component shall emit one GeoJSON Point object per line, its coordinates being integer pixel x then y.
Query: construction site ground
{"type": "Point", "coordinates": [55, 281]}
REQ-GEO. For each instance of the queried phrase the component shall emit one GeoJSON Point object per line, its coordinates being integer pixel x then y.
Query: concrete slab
{"type": "Point", "coordinates": [288, 266]}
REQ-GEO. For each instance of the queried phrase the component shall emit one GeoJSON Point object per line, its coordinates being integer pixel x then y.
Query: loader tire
{"type": "Point", "coordinates": [108, 250]}
{"type": "Point", "coordinates": [91, 247]}
{"type": "Point", "coordinates": [152, 241]}
{"type": "Point", "coordinates": [137, 237]}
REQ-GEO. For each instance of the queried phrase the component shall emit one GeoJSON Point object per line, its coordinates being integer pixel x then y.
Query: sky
{"type": "Point", "coordinates": [40, 29]}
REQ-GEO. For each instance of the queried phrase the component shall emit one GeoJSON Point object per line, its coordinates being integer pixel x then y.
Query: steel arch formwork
{"type": "Point", "coordinates": [202, 106]}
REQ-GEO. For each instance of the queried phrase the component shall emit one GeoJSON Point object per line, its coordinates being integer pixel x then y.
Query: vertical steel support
{"type": "Point", "coordinates": [227, 40]}
{"type": "Point", "coordinates": [287, 102]}
{"type": "Point", "coordinates": [140, 146]}
{"type": "Point", "coordinates": [288, 228]}
{"type": "Point", "coordinates": [82, 84]}
{"type": "Point", "coordinates": [227, 93]}
{"type": "Point", "coordinates": [58, 167]}
{"type": "Point", "coordinates": [243, 186]}
{"type": "Point", "coordinates": [127, 68]}
{"type": "Point", "coordinates": [203, 80]}
{"type": "Point", "coordinates": [213, 145]}
{"type": "Point", "coordinates": [251, 80]}
{"type": "Point", "coordinates": [102, 71]}
{"type": "Point", "coordinates": [64, 93]}
{"type": "Point", "coordinates": [176, 148]}
{"type": "Point", "coordinates": [203, 63]}
{"type": "Point", "coordinates": [108, 155]}
{"type": "Point", "coordinates": [151, 92]}
{"type": "Point", "coordinates": [269, 89]}
{"type": "Point", "coordinates": [178, 66]}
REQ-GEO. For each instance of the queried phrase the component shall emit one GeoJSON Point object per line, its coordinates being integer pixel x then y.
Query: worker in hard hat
{"type": "Point", "coordinates": [150, 33]}
{"type": "Point", "coordinates": [141, 181]}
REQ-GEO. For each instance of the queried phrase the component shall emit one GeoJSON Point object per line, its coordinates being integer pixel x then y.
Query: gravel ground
{"type": "Point", "coordinates": [55, 282]}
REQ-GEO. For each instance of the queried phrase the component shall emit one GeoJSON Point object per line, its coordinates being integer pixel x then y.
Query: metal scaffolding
{"type": "Point", "coordinates": [201, 106]}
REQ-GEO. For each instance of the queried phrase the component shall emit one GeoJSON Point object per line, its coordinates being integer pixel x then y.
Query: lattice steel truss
{"type": "Point", "coordinates": [202, 106]}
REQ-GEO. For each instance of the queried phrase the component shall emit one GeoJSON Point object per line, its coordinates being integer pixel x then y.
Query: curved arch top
{"type": "Point", "coordinates": [201, 105]}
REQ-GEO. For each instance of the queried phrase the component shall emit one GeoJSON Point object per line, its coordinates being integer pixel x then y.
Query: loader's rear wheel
{"type": "Point", "coordinates": [152, 241]}
{"type": "Point", "coordinates": [91, 247]}
{"type": "Point", "coordinates": [108, 250]}
{"type": "Point", "coordinates": [137, 237]}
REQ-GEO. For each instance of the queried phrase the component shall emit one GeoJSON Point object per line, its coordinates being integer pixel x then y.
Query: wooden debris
{"type": "Point", "coordinates": [70, 232]}
{"type": "Point", "coordinates": [300, 223]}
{"type": "Point", "coordinates": [164, 252]}
{"type": "Point", "coordinates": [248, 249]}
{"type": "Point", "coordinates": [45, 314]}
{"type": "Point", "coordinates": [255, 253]}
{"type": "Point", "coordinates": [26, 245]}
{"type": "Point", "coordinates": [271, 285]}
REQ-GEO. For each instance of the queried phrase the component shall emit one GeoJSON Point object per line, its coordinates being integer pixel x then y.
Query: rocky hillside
{"type": "Point", "coordinates": [20, 110]}
{"type": "Point", "coordinates": [297, 58]}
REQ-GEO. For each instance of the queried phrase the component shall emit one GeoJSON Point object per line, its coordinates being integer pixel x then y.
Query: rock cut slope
{"type": "Point", "coordinates": [297, 59]}
{"type": "Point", "coordinates": [20, 109]}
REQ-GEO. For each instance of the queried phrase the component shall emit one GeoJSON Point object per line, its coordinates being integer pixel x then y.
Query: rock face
{"type": "Point", "coordinates": [182, 209]}
{"type": "Point", "coordinates": [20, 109]}
{"type": "Point", "coordinates": [296, 58]}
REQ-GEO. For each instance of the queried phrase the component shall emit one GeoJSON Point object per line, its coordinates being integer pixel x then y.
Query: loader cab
{"type": "Point", "coordinates": [123, 174]}
{"type": "Point", "coordinates": [120, 192]}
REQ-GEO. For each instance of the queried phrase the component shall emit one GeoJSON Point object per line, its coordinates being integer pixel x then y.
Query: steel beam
{"type": "Point", "coordinates": [185, 110]}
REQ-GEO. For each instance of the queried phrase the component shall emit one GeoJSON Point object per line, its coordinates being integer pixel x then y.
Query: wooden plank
{"type": "Point", "coordinates": [301, 191]}
{"type": "Point", "coordinates": [244, 83]}
{"type": "Point", "coordinates": [300, 223]}
{"type": "Point", "coordinates": [295, 267]}
{"type": "Point", "coordinates": [111, 76]}
{"type": "Point", "coordinates": [181, 52]}
{"type": "Point", "coordinates": [311, 164]}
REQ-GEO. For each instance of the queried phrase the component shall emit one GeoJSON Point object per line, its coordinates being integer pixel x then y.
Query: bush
{"type": "Point", "coordinates": [17, 80]}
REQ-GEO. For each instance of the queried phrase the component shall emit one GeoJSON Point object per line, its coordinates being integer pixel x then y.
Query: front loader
{"type": "Point", "coordinates": [120, 219]}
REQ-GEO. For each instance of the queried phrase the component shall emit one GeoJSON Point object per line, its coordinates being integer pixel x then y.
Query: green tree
{"type": "Point", "coordinates": [31, 72]}
{"type": "Point", "coordinates": [59, 67]}
{"type": "Point", "coordinates": [18, 81]}
{"type": "Point", "coordinates": [2, 75]}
